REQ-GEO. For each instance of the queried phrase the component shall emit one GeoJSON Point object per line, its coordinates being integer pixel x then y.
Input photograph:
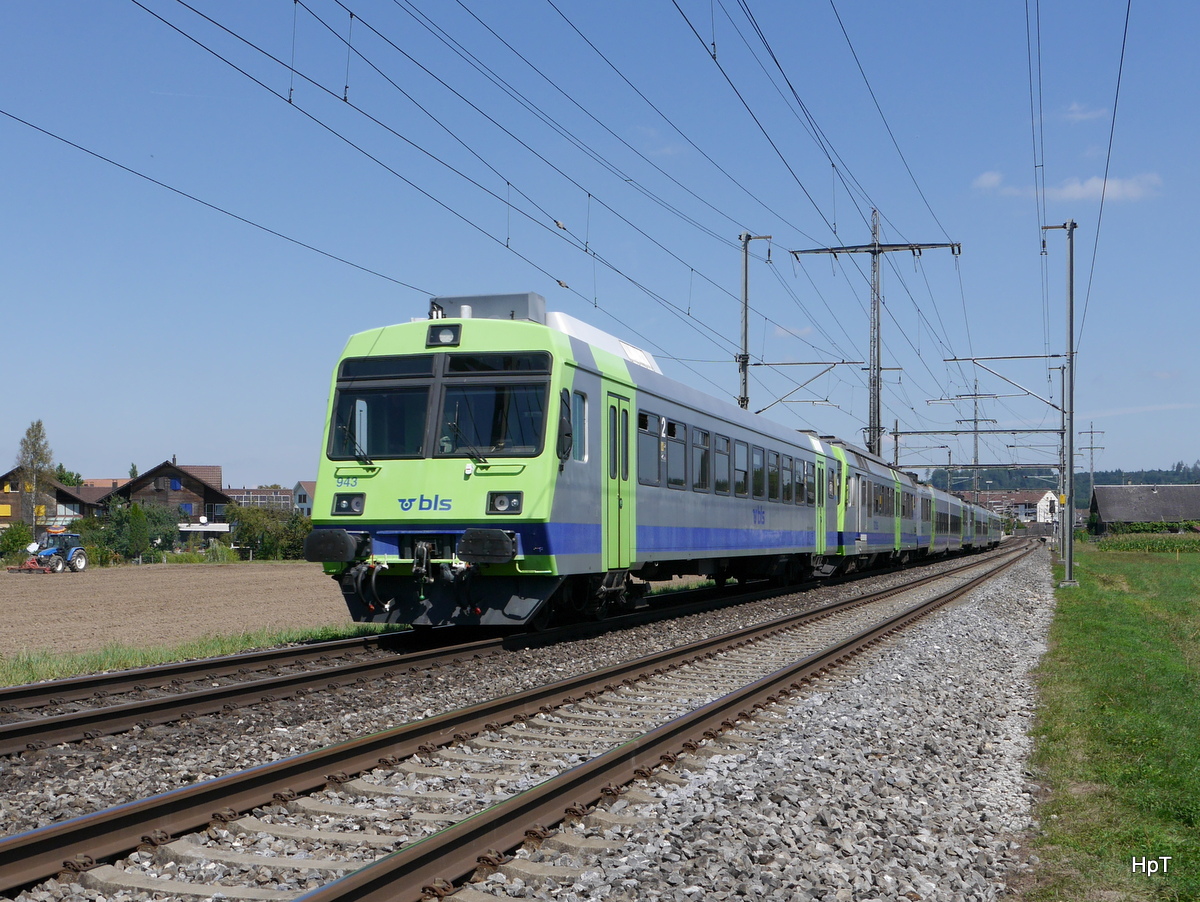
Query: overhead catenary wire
{"type": "Point", "coordinates": [584, 243]}
{"type": "Point", "coordinates": [670, 306]}
{"type": "Point", "coordinates": [691, 321]}
{"type": "Point", "coordinates": [212, 206]}
{"type": "Point", "coordinates": [1112, 129]}
{"type": "Point", "coordinates": [813, 129]}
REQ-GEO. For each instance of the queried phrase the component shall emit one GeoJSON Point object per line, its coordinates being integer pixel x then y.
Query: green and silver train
{"type": "Point", "coordinates": [500, 465]}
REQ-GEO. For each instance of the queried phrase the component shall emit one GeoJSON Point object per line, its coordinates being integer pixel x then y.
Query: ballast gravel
{"type": "Point", "coordinates": [903, 780]}
{"type": "Point", "coordinates": [900, 778]}
{"type": "Point", "coordinates": [63, 782]}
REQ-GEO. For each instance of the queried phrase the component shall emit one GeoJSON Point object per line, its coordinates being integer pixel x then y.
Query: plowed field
{"type": "Point", "coordinates": [161, 604]}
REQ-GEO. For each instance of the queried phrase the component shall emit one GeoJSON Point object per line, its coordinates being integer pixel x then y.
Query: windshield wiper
{"type": "Point", "coordinates": [474, 453]}
{"type": "Point", "coordinates": [360, 453]}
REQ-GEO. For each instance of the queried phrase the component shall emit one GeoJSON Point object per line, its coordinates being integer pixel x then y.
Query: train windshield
{"type": "Point", "coordinates": [440, 405]}
{"type": "Point", "coordinates": [479, 420]}
{"type": "Point", "coordinates": [384, 423]}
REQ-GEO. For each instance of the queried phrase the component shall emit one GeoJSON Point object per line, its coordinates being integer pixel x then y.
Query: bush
{"type": "Point", "coordinates": [186, 557]}
{"type": "Point", "coordinates": [13, 542]}
{"type": "Point", "coordinates": [219, 553]}
{"type": "Point", "coordinates": [101, 556]}
{"type": "Point", "coordinates": [1123, 529]}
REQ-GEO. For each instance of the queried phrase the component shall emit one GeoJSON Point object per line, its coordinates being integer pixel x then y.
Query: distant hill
{"type": "Point", "coordinates": [1041, 477]}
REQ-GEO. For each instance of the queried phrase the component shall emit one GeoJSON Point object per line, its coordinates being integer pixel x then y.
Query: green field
{"type": "Point", "coordinates": [1118, 732]}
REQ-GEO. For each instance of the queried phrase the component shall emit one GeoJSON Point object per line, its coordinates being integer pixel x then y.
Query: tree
{"type": "Point", "coordinates": [67, 477]}
{"type": "Point", "coordinates": [139, 532]}
{"type": "Point", "coordinates": [269, 533]}
{"type": "Point", "coordinates": [133, 471]}
{"type": "Point", "coordinates": [35, 473]}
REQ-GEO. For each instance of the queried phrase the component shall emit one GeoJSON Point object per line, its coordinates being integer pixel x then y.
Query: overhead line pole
{"type": "Point", "coordinates": [1091, 432]}
{"type": "Point", "coordinates": [874, 427]}
{"type": "Point", "coordinates": [1069, 409]}
{"type": "Point", "coordinates": [744, 357]}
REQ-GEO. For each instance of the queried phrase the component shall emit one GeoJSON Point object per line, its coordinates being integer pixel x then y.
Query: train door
{"type": "Point", "coordinates": [822, 495]}
{"type": "Point", "coordinates": [618, 495]}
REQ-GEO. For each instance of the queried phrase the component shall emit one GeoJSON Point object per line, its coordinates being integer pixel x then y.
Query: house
{"type": "Point", "coordinates": [195, 490]}
{"type": "Point", "coordinates": [69, 502]}
{"type": "Point", "coordinates": [1113, 505]}
{"type": "Point", "coordinates": [1036, 506]}
{"type": "Point", "coordinates": [302, 497]}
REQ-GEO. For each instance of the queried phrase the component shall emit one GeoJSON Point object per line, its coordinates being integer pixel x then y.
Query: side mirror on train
{"type": "Point", "coordinates": [566, 440]}
{"type": "Point", "coordinates": [566, 437]}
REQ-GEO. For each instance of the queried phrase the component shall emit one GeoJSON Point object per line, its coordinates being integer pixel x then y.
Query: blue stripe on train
{"type": "Point", "coordinates": [705, 539]}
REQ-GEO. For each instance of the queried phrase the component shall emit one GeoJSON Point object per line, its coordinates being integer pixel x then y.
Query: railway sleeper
{"type": "Point", "coordinates": [548, 751]}
{"type": "Point", "coordinates": [251, 826]}
{"type": "Point", "coordinates": [111, 880]}
{"type": "Point", "coordinates": [191, 851]}
{"type": "Point", "coordinates": [308, 807]}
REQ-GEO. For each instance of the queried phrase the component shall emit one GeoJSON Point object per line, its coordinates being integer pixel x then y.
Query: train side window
{"type": "Point", "coordinates": [810, 483]}
{"type": "Point", "coordinates": [721, 464]}
{"type": "Point", "coordinates": [613, 453]}
{"type": "Point", "coordinates": [741, 469]}
{"type": "Point", "coordinates": [579, 426]}
{"type": "Point", "coordinates": [701, 481]}
{"type": "Point", "coordinates": [786, 480]}
{"type": "Point", "coordinates": [835, 480]}
{"type": "Point", "coordinates": [676, 455]}
{"type": "Point", "coordinates": [759, 467]}
{"type": "Point", "coordinates": [624, 445]}
{"type": "Point", "coordinates": [649, 472]}
{"type": "Point", "coordinates": [772, 475]}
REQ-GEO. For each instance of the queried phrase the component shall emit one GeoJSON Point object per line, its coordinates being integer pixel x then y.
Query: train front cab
{"type": "Point", "coordinates": [451, 489]}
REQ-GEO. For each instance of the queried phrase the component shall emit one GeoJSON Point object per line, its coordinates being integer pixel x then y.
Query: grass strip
{"type": "Point", "coordinates": [33, 666]}
{"type": "Point", "coordinates": [1117, 737]}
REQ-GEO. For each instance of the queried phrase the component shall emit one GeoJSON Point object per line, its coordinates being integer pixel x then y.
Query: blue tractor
{"type": "Point", "coordinates": [60, 551]}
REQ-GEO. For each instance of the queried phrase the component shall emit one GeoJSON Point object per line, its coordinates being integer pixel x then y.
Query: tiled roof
{"type": "Point", "coordinates": [205, 473]}
{"type": "Point", "coordinates": [1147, 503]}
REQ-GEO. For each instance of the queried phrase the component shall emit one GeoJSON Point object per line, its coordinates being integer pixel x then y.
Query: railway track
{"type": "Point", "coordinates": [506, 766]}
{"type": "Point", "coordinates": [32, 717]}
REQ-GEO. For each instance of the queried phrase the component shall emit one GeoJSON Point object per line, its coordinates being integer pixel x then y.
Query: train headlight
{"type": "Point", "coordinates": [504, 502]}
{"type": "Point", "coordinates": [346, 504]}
{"type": "Point", "coordinates": [444, 335]}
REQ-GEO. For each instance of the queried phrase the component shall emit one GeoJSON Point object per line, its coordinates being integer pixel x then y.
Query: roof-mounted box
{"type": "Point", "coordinates": [529, 307]}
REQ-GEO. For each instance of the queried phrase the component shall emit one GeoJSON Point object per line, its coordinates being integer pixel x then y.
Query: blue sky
{"type": "Point", "coordinates": [142, 324]}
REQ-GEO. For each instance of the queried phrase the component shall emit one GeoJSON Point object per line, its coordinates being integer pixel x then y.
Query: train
{"type": "Point", "coordinates": [500, 465]}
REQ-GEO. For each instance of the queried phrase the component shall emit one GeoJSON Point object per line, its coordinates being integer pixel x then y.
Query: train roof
{"type": "Point", "coordinates": [531, 307]}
